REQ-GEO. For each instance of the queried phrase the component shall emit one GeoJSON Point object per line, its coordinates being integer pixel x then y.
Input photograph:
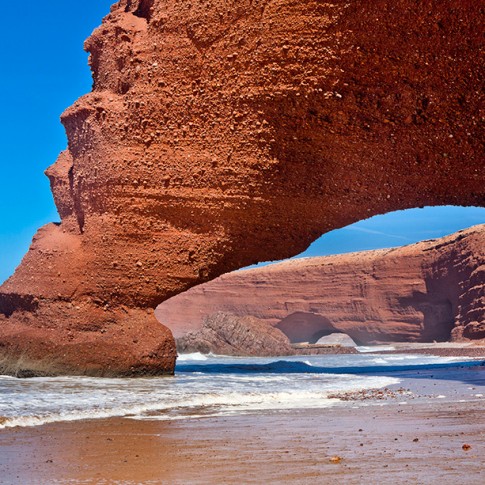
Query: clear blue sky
{"type": "Point", "coordinates": [44, 69]}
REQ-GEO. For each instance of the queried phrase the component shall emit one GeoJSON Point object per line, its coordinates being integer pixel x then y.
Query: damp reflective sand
{"type": "Point", "coordinates": [253, 421]}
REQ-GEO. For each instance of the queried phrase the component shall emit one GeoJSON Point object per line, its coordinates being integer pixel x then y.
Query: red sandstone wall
{"type": "Point", "coordinates": [421, 292]}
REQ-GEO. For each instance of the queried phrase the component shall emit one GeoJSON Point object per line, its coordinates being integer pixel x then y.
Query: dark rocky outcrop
{"type": "Point", "coordinates": [226, 334]}
{"type": "Point", "coordinates": [222, 134]}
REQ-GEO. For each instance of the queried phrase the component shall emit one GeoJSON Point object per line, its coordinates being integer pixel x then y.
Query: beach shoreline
{"type": "Point", "coordinates": [433, 431]}
{"type": "Point", "coordinates": [375, 444]}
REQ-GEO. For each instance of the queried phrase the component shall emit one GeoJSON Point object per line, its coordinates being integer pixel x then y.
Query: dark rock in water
{"type": "Point", "coordinates": [227, 334]}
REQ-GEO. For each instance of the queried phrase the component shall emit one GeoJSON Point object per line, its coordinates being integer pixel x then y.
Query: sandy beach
{"type": "Point", "coordinates": [429, 429]}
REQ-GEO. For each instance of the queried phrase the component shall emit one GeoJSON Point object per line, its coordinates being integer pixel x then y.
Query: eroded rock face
{"type": "Point", "coordinates": [218, 135]}
{"type": "Point", "coordinates": [226, 334]}
{"type": "Point", "coordinates": [433, 290]}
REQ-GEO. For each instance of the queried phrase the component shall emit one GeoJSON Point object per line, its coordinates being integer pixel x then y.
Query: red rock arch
{"type": "Point", "coordinates": [218, 136]}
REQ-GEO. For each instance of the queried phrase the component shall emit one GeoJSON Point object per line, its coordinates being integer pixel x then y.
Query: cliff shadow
{"type": "Point", "coordinates": [304, 327]}
{"type": "Point", "coordinates": [438, 315]}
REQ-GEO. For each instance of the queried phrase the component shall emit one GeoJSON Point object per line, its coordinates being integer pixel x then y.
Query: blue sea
{"type": "Point", "coordinates": [209, 385]}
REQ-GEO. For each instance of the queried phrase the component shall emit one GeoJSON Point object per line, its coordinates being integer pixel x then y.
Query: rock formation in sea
{"type": "Point", "coordinates": [225, 133]}
{"type": "Point", "coordinates": [244, 335]}
{"type": "Point", "coordinates": [432, 290]}
{"type": "Point", "coordinates": [227, 334]}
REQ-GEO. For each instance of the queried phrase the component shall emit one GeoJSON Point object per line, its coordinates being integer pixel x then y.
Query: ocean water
{"type": "Point", "coordinates": [208, 385]}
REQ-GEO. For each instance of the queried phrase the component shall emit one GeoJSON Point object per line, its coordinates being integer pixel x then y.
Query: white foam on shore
{"type": "Point", "coordinates": [213, 404]}
{"type": "Point", "coordinates": [363, 349]}
{"type": "Point", "coordinates": [197, 356]}
{"type": "Point", "coordinates": [204, 385]}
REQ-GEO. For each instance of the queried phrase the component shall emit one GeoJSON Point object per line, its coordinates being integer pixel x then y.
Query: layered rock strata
{"type": "Point", "coordinates": [227, 334]}
{"type": "Point", "coordinates": [225, 133]}
{"type": "Point", "coordinates": [433, 290]}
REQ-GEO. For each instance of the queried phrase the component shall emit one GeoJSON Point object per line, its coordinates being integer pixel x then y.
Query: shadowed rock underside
{"type": "Point", "coordinates": [226, 133]}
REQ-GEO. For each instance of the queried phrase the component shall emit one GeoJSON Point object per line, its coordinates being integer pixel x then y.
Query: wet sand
{"type": "Point", "coordinates": [415, 436]}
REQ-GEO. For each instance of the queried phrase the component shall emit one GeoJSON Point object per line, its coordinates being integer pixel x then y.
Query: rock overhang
{"type": "Point", "coordinates": [214, 129]}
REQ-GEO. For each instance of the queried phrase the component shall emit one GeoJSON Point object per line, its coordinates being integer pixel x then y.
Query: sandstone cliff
{"type": "Point", "coordinates": [433, 290]}
{"type": "Point", "coordinates": [213, 129]}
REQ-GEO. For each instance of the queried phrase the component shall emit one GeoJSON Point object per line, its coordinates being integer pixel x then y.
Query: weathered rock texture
{"type": "Point", "coordinates": [227, 334]}
{"type": "Point", "coordinates": [433, 290]}
{"type": "Point", "coordinates": [225, 133]}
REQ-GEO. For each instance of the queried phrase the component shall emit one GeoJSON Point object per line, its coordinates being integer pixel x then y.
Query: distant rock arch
{"type": "Point", "coordinates": [423, 292]}
{"type": "Point", "coordinates": [302, 327]}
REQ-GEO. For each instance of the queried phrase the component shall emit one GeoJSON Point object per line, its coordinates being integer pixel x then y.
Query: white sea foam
{"type": "Point", "coordinates": [195, 356]}
{"type": "Point", "coordinates": [204, 385]}
{"type": "Point", "coordinates": [380, 361]}
{"type": "Point", "coordinates": [374, 348]}
{"type": "Point", "coordinates": [180, 407]}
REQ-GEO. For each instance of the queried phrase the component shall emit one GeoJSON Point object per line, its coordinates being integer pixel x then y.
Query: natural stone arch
{"type": "Point", "coordinates": [220, 135]}
{"type": "Point", "coordinates": [311, 327]}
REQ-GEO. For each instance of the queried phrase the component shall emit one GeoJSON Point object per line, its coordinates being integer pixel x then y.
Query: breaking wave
{"type": "Point", "coordinates": [208, 385]}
